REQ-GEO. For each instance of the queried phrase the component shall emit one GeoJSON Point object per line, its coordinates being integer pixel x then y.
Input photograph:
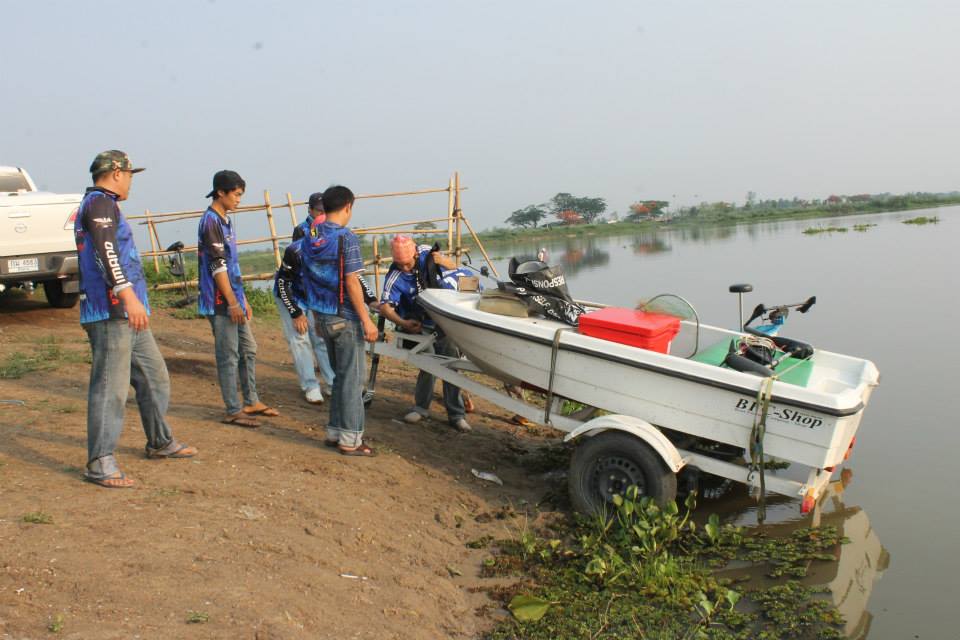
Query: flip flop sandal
{"type": "Point", "coordinates": [241, 420]}
{"type": "Point", "coordinates": [110, 481]}
{"type": "Point", "coordinates": [266, 411]}
{"type": "Point", "coordinates": [173, 450]}
{"type": "Point", "coordinates": [362, 450]}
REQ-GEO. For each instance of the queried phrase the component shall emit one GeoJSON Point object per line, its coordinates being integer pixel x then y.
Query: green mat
{"type": "Point", "coordinates": [798, 374]}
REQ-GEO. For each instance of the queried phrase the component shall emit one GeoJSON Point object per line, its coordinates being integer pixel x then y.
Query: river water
{"type": "Point", "coordinates": [886, 294]}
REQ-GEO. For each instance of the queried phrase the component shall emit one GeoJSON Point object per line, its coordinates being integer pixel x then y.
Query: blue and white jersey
{"type": "Point", "coordinates": [328, 255]}
{"type": "Point", "coordinates": [401, 288]}
{"type": "Point", "coordinates": [217, 252]}
{"type": "Point", "coordinates": [108, 258]}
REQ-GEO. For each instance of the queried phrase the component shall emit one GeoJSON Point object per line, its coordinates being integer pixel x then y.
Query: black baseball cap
{"type": "Point", "coordinates": [316, 201]}
{"type": "Point", "coordinates": [226, 180]}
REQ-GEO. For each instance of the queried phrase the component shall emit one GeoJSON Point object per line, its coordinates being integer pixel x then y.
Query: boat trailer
{"type": "Point", "coordinates": [673, 458]}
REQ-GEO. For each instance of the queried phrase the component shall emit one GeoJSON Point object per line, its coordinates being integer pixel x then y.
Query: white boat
{"type": "Point", "coordinates": [811, 424]}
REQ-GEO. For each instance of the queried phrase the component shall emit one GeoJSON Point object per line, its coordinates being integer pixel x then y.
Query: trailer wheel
{"type": "Point", "coordinates": [53, 290]}
{"type": "Point", "coordinates": [608, 463]}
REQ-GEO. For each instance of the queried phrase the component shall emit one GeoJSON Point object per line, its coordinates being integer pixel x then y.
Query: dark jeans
{"type": "Point", "coordinates": [121, 357]}
{"type": "Point", "coordinates": [423, 393]}
{"type": "Point", "coordinates": [236, 352]}
{"type": "Point", "coordinates": [349, 358]}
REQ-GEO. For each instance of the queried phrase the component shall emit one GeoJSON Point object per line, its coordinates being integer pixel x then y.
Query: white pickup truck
{"type": "Point", "coordinates": [36, 238]}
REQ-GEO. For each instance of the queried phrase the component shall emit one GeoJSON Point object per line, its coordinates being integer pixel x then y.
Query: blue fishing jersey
{"type": "Point", "coordinates": [217, 252]}
{"type": "Point", "coordinates": [329, 254]}
{"type": "Point", "coordinates": [108, 258]}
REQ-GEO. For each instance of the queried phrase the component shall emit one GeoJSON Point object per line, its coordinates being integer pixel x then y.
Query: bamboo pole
{"type": "Point", "coordinates": [293, 211]}
{"type": "Point", "coordinates": [483, 251]}
{"type": "Point", "coordinates": [153, 242]}
{"type": "Point", "coordinates": [273, 227]}
{"type": "Point", "coordinates": [459, 213]}
{"type": "Point", "coordinates": [192, 283]}
{"type": "Point", "coordinates": [450, 206]}
{"type": "Point", "coordinates": [376, 263]}
{"type": "Point", "coordinates": [380, 227]}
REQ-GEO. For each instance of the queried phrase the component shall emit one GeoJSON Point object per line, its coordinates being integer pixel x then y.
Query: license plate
{"type": "Point", "coordinates": [23, 265]}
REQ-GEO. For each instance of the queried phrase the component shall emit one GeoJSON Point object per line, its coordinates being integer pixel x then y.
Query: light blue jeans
{"type": "Point", "coordinates": [304, 348]}
{"type": "Point", "coordinates": [236, 352]}
{"type": "Point", "coordinates": [349, 359]}
{"type": "Point", "coordinates": [123, 357]}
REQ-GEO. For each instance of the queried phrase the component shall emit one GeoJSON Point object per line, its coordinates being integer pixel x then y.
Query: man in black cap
{"type": "Point", "coordinates": [115, 313]}
{"type": "Point", "coordinates": [223, 301]}
{"type": "Point", "coordinates": [298, 327]}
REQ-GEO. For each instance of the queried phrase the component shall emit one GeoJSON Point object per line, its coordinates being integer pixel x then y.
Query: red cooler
{"type": "Point", "coordinates": [652, 331]}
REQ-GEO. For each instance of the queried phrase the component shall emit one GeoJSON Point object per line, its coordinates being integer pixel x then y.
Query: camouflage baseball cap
{"type": "Point", "coordinates": [111, 161]}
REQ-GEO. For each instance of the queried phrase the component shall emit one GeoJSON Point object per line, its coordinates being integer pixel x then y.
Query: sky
{"type": "Point", "coordinates": [685, 101]}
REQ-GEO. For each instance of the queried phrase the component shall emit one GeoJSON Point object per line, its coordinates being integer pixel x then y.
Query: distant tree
{"type": "Point", "coordinates": [589, 209]}
{"type": "Point", "coordinates": [647, 210]}
{"type": "Point", "coordinates": [529, 216]}
{"type": "Point", "coordinates": [425, 226]}
{"type": "Point", "coordinates": [569, 216]}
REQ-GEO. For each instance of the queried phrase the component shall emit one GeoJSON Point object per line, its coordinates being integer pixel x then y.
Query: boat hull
{"type": "Point", "coordinates": [811, 427]}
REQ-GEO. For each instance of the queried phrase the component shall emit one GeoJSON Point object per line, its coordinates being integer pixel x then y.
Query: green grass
{"type": "Point", "coordinates": [197, 617]}
{"type": "Point", "coordinates": [47, 353]}
{"type": "Point", "coordinates": [56, 624]}
{"type": "Point", "coordinates": [815, 230]}
{"type": "Point", "coordinates": [38, 517]}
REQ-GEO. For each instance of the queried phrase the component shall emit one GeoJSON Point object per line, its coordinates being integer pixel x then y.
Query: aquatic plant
{"type": "Point", "coordinates": [646, 571]}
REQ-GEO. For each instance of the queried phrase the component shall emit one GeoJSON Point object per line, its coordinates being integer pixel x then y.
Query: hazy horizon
{"type": "Point", "coordinates": [686, 102]}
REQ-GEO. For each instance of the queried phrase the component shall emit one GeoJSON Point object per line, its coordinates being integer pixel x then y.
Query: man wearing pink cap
{"type": "Point", "coordinates": [398, 303]}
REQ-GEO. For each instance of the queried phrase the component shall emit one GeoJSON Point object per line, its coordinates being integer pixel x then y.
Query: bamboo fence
{"type": "Point", "coordinates": [452, 227]}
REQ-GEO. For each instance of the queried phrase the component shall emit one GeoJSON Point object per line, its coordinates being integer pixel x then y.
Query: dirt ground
{"type": "Point", "coordinates": [267, 533]}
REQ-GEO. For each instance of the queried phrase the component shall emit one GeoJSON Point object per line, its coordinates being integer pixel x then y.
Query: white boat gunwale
{"type": "Point", "coordinates": [777, 398]}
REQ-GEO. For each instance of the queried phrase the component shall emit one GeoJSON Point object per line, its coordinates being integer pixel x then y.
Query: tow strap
{"type": "Point", "coordinates": [757, 433]}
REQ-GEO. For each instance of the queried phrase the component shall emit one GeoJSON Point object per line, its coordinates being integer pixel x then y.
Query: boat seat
{"type": "Point", "coordinates": [797, 372]}
{"type": "Point", "coordinates": [502, 303]}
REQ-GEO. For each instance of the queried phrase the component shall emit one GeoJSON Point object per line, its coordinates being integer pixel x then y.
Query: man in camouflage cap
{"type": "Point", "coordinates": [115, 313]}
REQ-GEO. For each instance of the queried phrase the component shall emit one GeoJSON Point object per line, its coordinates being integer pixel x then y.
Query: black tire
{"type": "Point", "coordinates": [608, 463]}
{"type": "Point", "coordinates": [53, 289]}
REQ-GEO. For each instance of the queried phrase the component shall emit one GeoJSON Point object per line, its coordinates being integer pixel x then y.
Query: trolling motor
{"type": "Point", "coordinates": [177, 268]}
{"type": "Point", "coordinates": [756, 352]}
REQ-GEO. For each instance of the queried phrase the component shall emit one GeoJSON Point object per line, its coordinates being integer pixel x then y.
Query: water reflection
{"type": "Point", "coordinates": [646, 244]}
{"type": "Point", "coordinates": [579, 255]}
{"type": "Point", "coordinates": [849, 580]}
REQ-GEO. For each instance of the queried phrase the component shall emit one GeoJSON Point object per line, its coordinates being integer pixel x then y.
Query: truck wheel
{"type": "Point", "coordinates": [53, 289]}
{"type": "Point", "coordinates": [608, 463]}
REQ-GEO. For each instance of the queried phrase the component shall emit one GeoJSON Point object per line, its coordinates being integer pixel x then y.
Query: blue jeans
{"type": "Point", "coordinates": [349, 359]}
{"type": "Point", "coordinates": [304, 347]}
{"type": "Point", "coordinates": [236, 352]}
{"type": "Point", "coordinates": [121, 357]}
{"type": "Point", "coordinates": [423, 392]}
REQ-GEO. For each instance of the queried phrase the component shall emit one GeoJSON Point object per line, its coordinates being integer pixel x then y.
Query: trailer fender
{"type": "Point", "coordinates": [636, 427]}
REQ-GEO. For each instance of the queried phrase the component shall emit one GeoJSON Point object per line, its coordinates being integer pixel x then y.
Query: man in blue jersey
{"type": "Point", "coordinates": [398, 304]}
{"type": "Point", "coordinates": [299, 327]}
{"type": "Point", "coordinates": [223, 301]}
{"type": "Point", "coordinates": [332, 270]}
{"type": "Point", "coordinates": [115, 313]}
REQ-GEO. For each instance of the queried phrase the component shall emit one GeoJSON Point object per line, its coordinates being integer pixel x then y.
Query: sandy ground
{"type": "Point", "coordinates": [267, 533]}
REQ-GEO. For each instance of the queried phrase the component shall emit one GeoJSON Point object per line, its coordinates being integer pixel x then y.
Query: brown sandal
{"type": "Point", "coordinates": [361, 450]}
{"type": "Point", "coordinates": [241, 420]}
{"type": "Point", "coordinates": [262, 410]}
{"type": "Point", "coordinates": [116, 480]}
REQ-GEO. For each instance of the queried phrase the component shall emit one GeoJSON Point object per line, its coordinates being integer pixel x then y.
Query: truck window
{"type": "Point", "coordinates": [10, 182]}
